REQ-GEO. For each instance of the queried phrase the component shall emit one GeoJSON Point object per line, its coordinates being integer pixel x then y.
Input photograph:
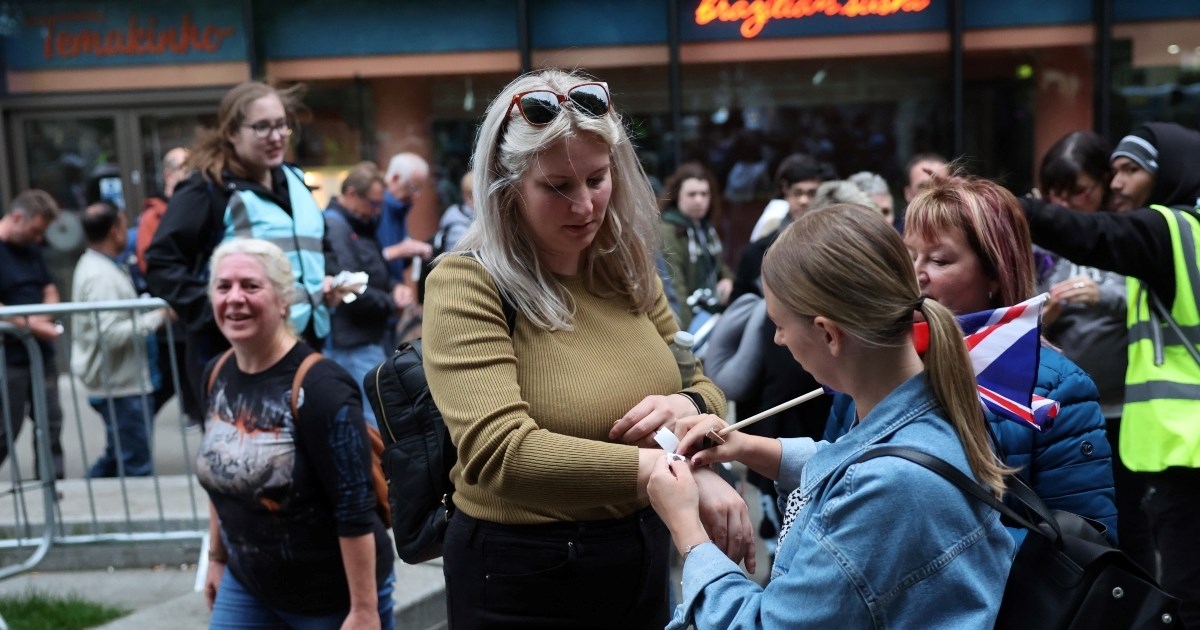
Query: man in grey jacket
{"type": "Point", "coordinates": [109, 349]}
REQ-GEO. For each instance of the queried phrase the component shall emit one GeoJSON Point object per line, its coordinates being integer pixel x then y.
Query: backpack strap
{"type": "Point", "coordinates": [510, 310]}
{"type": "Point", "coordinates": [971, 487]}
{"type": "Point", "coordinates": [374, 440]}
{"type": "Point", "coordinates": [298, 381]}
{"type": "Point", "coordinates": [212, 376]}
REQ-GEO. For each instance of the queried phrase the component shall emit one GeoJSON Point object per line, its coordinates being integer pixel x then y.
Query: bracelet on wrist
{"type": "Point", "coordinates": [218, 555]}
{"type": "Point", "coordinates": [688, 549]}
{"type": "Point", "coordinates": [691, 400]}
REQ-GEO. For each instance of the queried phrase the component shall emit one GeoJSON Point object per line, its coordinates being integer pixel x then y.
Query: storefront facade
{"type": "Point", "coordinates": [102, 90]}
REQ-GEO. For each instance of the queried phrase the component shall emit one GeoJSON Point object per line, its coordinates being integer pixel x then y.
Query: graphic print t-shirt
{"type": "Point", "coordinates": [286, 488]}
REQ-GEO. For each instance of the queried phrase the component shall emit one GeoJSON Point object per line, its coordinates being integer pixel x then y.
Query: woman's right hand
{"type": "Point", "coordinates": [676, 498]}
{"type": "Point", "coordinates": [212, 581]}
{"type": "Point", "coordinates": [691, 432]}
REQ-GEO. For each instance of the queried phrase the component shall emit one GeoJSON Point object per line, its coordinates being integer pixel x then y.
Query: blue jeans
{"type": "Point", "coordinates": [358, 360]}
{"type": "Point", "coordinates": [128, 437]}
{"type": "Point", "coordinates": [236, 608]}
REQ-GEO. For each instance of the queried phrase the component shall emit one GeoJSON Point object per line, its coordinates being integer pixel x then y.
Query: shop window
{"type": "Point", "coordinates": [335, 121]}
{"type": "Point", "coordinates": [742, 119]}
{"type": "Point", "coordinates": [1158, 91]}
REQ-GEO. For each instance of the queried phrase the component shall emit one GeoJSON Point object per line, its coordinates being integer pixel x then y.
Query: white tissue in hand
{"type": "Point", "coordinates": [666, 440]}
{"type": "Point", "coordinates": [350, 278]}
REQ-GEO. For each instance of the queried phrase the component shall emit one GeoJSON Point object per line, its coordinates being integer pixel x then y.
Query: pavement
{"type": "Point", "coordinates": [165, 597]}
{"type": "Point", "coordinates": [135, 544]}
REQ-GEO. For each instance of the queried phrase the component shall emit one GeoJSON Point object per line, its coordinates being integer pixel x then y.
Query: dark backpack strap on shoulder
{"type": "Point", "coordinates": [298, 380]}
{"type": "Point", "coordinates": [510, 314]}
{"type": "Point", "coordinates": [510, 309]}
{"type": "Point", "coordinates": [212, 376]}
{"type": "Point", "coordinates": [965, 483]}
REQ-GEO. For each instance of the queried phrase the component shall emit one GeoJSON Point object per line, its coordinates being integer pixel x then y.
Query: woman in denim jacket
{"type": "Point", "coordinates": [883, 543]}
{"type": "Point", "coordinates": [970, 246]}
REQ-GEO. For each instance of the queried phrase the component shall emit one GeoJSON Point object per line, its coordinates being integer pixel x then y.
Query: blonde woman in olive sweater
{"type": "Point", "coordinates": [553, 421]}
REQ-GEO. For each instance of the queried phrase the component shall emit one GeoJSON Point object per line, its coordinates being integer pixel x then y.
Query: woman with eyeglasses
{"type": "Point", "coordinates": [546, 349]}
{"type": "Point", "coordinates": [240, 187]}
{"type": "Point", "coordinates": [1086, 315]}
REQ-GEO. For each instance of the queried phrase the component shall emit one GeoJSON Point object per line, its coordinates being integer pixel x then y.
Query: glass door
{"type": "Point", "coordinates": [75, 156]}
{"type": "Point", "coordinates": [159, 131]}
{"type": "Point", "coordinates": [80, 156]}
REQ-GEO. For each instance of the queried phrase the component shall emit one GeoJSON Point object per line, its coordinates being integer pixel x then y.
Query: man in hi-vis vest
{"type": "Point", "coordinates": [1158, 249]}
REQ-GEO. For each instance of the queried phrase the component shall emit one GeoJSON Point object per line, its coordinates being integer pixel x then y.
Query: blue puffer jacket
{"type": "Point", "coordinates": [1069, 465]}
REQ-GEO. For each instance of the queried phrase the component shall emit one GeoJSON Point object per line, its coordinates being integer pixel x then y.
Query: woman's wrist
{"type": "Point", "coordinates": [688, 535]}
{"type": "Point", "coordinates": [687, 408]}
{"type": "Point", "coordinates": [689, 548]}
{"type": "Point", "coordinates": [218, 555]}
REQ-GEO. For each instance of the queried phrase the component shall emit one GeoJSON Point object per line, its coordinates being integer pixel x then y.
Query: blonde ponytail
{"type": "Point", "coordinates": [949, 372]}
{"type": "Point", "coordinates": [846, 263]}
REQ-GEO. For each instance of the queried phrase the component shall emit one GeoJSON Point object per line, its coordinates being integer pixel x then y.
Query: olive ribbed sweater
{"type": "Point", "coordinates": [530, 412]}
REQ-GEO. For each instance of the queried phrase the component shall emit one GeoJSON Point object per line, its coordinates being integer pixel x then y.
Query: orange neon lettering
{"type": "Point", "coordinates": [754, 14]}
{"type": "Point", "coordinates": [135, 40]}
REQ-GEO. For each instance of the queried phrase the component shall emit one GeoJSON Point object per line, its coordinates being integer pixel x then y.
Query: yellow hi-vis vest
{"type": "Point", "coordinates": [1161, 422]}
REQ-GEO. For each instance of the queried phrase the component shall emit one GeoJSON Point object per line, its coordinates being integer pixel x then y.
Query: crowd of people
{"type": "Point", "coordinates": [561, 280]}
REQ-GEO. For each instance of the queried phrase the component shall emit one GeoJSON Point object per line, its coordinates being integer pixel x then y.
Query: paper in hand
{"type": "Point", "coordinates": [669, 443]}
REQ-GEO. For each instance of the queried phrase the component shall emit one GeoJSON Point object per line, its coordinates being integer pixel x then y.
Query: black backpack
{"type": "Point", "coordinates": [417, 454]}
{"type": "Point", "coordinates": [1065, 575]}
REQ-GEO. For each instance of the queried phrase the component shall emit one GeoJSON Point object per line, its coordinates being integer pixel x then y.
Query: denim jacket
{"type": "Point", "coordinates": [885, 543]}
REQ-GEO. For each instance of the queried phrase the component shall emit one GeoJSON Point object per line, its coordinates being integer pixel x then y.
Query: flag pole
{"type": "Point", "coordinates": [719, 436]}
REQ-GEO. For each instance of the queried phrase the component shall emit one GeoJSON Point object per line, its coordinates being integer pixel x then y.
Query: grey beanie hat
{"type": "Point", "coordinates": [1140, 149]}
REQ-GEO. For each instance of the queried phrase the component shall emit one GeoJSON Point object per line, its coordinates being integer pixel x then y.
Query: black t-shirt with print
{"type": "Point", "coordinates": [23, 280]}
{"type": "Point", "coordinates": [285, 490]}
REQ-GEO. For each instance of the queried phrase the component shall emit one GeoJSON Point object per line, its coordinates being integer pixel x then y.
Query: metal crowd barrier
{"type": "Point", "coordinates": [37, 511]}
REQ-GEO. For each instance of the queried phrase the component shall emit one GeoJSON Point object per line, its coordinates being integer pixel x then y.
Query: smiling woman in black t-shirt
{"type": "Point", "coordinates": [295, 536]}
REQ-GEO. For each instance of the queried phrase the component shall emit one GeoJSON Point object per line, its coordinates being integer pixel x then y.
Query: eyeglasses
{"type": "Point", "coordinates": [263, 129]}
{"type": "Point", "coordinates": [540, 107]}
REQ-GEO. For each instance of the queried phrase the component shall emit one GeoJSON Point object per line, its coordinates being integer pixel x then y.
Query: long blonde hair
{"type": "Point", "coordinates": [847, 264]}
{"type": "Point", "coordinates": [619, 262]}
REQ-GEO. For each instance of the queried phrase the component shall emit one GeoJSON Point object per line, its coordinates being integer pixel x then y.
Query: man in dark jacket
{"type": "Point", "coordinates": [360, 323]}
{"type": "Point", "coordinates": [1156, 249]}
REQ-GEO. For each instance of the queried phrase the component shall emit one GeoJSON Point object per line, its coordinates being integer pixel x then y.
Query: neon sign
{"type": "Point", "coordinates": [135, 40]}
{"type": "Point", "coordinates": [754, 14]}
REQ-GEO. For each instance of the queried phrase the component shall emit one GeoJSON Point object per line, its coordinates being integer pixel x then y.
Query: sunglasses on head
{"type": "Point", "coordinates": [540, 107]}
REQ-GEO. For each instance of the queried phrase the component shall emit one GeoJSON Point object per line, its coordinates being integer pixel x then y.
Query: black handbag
{"type": "Point", "coordinates": [1066, 575]}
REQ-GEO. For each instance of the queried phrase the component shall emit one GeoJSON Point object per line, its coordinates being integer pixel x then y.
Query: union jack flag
{"type": "Point", "coordinates": [1005, 348]}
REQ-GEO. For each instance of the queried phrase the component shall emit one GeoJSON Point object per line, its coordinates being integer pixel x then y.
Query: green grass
{"type": "Point", "coordinates": [38, 611]}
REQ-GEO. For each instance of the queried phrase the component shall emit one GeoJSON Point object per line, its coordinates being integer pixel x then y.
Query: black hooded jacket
{"type": "Point", "coordinates": [1135, 243]}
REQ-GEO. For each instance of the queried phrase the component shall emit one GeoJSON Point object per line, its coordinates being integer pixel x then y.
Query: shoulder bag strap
{"type": "Point", "coordinates": [1017, 488]}
{"type": "Point", "coordinates": [1165, 314]}
{"type": "Point", "coordinates": [212, 376]}
{"type": "Point", "coordinates": [298, 381]}
{"type": "Point", "coordinates": [510, 309]}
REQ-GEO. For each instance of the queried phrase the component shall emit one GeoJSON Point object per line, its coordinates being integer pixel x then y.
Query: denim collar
{"type": "Point", "coordinates": [910, 400]}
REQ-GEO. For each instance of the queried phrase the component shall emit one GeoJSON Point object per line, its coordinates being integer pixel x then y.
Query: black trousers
{"type": "Point", "coordinates": [598, 574]}
{"type": "Point", "coordinates": [1133, 526]}
{"type": "Point", "coordinates": [1173, 504]}
{"type": "Point", "coordinates": [19, 383]}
